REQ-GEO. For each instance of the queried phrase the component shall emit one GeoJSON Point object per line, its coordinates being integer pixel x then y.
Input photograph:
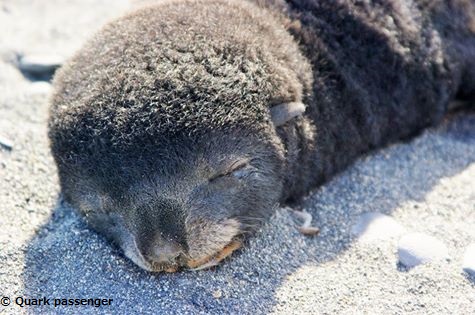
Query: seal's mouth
{"type": "Point", "coordinates": [213, 260]}
{"type": "Point", "coordinates": [200, 263]}
{"type": "Point", "coordinates": [208, 245]}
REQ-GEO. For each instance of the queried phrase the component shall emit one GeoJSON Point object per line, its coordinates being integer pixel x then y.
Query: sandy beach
{"type": "Point", "coordinates": [425, 185]}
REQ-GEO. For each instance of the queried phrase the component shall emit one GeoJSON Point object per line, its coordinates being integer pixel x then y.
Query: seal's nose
{"type": "Point", "coordinates": [163, 253]}
{"type": "Point", "coordinates": [160, 236]}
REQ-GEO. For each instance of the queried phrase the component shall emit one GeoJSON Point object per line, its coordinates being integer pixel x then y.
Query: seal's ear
{"type": "Point", "coordinates": [282, 113]}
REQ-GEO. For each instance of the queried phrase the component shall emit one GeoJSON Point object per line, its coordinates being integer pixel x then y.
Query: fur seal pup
{"type": "Point", "coordinates": [178, 128]}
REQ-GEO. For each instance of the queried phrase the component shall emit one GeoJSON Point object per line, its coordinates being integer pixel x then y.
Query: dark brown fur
{"type": "Point", "coordinates": [161, 124]}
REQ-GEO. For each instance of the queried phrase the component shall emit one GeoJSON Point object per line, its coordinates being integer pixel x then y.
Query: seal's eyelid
{"type": "Point", "coordinates": [237, 165]}
{"type": "Point", "coordinates": [234, 167]}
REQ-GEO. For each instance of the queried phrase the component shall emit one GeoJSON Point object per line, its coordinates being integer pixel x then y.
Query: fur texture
{"type": "Point", "coordinates": [161, 125]}
{"type": "Point", "coordinates": [382, 71]}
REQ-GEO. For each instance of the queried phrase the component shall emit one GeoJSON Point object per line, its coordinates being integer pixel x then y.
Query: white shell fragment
{"type": "Point", "coordinates": [418, 248]}
{"type": "Point", "coordinates": [469, 260]}
{"type": "Point", "coordinates": [306, 228]}
{"type": "Point", "coordinates": [6, 143]}
{"type": "Point", "coordinates": [373, 226]}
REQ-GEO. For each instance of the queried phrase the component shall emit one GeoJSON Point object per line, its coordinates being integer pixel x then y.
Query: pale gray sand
{"type": "Point", "coordinates": [426, 185]}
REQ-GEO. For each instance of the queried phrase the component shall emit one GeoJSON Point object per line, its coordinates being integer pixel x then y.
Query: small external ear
{"type": "Point", "coordinates": [282, 113]}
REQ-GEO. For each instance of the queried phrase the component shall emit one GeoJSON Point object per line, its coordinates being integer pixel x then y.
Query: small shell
{"type": "Point", "coordinates": [306, 228]}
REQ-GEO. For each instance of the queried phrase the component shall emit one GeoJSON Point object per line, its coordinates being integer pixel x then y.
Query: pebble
{"type": "Point", "coordinates": [217, 294]}
{"type": "Point", "coordinates": [40, 87]}
{"type": "Point", "coordinates": [469, 260]}
{"type": "Point", "coordinates": [6, 143]}
{"type": "Point", "coordinates": [373, 226]}
{"type": "Point", "coordinates": [418, 248]}
{"type": "Point", "coordinates": [39, 65]}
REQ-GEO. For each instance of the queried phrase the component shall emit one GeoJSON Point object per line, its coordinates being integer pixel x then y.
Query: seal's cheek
{"type": "Point", "coordinates": [211, 241]}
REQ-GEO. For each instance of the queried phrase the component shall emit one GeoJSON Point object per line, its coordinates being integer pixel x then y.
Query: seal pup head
{"type": "Point", "coordinates": [163, 127]}
{"type": "Point", "coordinates": [186, 204]}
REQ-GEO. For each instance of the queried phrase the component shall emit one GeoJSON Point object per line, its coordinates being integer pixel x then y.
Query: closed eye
{"type": "Point", "coordinates": [236, 168]}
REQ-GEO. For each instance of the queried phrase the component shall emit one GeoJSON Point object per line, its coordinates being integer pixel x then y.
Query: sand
{"type": "Point", "coordinates": [426, 185]}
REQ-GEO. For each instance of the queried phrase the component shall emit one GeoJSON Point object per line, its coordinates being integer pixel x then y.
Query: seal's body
{"type": "Point", "coordinates": [179, 127]}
